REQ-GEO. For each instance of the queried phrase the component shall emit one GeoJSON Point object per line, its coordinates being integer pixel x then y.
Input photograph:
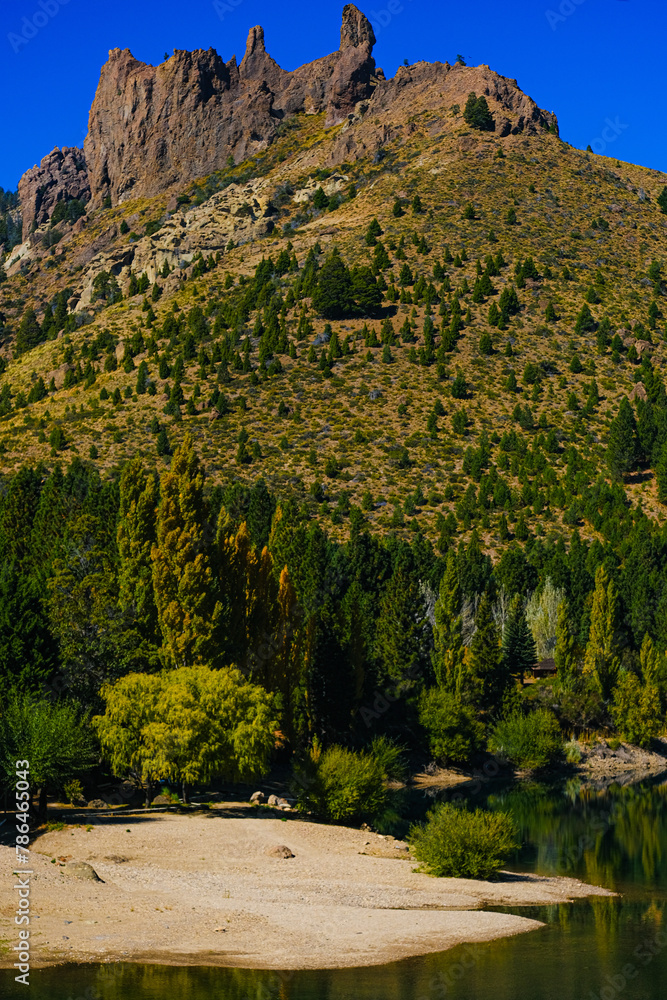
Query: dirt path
{"type": "Point", "coordinates": [202, 890]}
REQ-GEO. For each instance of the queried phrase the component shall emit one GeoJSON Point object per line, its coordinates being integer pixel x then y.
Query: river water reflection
{"type": "Point", "coordinates": [603, 949]}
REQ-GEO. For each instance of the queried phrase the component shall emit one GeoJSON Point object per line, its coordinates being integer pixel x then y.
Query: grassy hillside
{"type": "Point", "coordinates": [378, 427]}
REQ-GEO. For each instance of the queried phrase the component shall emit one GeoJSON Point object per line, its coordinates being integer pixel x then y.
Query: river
{"type": "Point", "coordinates": [597, 950]}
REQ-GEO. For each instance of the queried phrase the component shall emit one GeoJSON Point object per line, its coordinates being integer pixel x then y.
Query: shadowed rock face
{"type": "Point", "coordinates": [154, 127]}
{"type": "Point", "coordinates": [61, 176]}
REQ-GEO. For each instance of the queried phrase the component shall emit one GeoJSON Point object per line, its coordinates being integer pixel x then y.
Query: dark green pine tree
{"type": "Point", "coordinates": [401, 638]}
{"type": "Point", "coordinates": [261, 508]}
{"type": "Point", "coordinates": [142, 378]}
{"type": "Point", "coordinates": [622, 443]}
{"type": "Point", "coordinates": [28, 653]}
{"type": "Point", "coordinates": [366, 291]}
{"type": "Point", "coordinates": [17, 511]}
{"type": "Point", "coordinates": [490, 677]}
{"type": "Point", "coordinates": [662, 200]}
{"type": "Point", "coordinates": [477, 113]}
{"type": "Point", "coordinates": [661, 474]}
{"type": "Point", "coordinates": [585, 320]}
{"type": "Point", "coordinates": [29, 334]}
{"type": "Point", "coordinates": [332, 297]}
{"type": "Point", "coordinates": [135, 538]}
{"type": "Point", "coordinates": [519, 650]}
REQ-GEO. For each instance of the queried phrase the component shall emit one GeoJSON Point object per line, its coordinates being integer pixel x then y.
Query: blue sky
{"type": "Point", "coordinates": [590, 61]}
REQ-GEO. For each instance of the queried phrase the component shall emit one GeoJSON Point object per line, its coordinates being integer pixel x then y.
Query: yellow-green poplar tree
{"type": "Point", "coordinates": [234, 550]}
{"type": "Point", "coordinates": [448, 656]}
{"type": "Point", "coordinates": [601, 661]}
{"type": "Point", "coordinates": [287, 666]}
{"type": "Point", "coordinates": [566, 653]}
{"type": "Point", "coordinates": [189, 613]}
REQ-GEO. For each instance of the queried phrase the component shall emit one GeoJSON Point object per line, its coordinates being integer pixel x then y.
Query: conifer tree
{"type": "Point", "coordinates": [489, 676]}
{"type": "Point", "coordinates": [401, 638]}
{"type": "Point", "coordinates": [135, 539]}
{"type": "Point", "coordinates": [601, 661]}
{"type": "Point", "coordinates": [332, 297]}
{"type": "Point", "coordinates": [477, 113]}
{"type": "Point", "coordinates": [585, 320]}
{"type": "Point", "coordinates": [188, 611]}
{"type": "Point", "coordinates": [661, 474]}
{"type": "Point", "coordinates": [622, 441]}
{"type": "Point", "coordinates": [28, 653]}
{"type": "Point", "coordinates": [519, 650]}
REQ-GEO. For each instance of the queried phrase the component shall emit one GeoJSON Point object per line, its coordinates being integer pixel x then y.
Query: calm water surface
{"type": "Point", "coordinates": [603, 949]}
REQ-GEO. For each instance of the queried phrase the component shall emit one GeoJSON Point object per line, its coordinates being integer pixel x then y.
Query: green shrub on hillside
{"type": "Point", "coordinates": [456, 843]}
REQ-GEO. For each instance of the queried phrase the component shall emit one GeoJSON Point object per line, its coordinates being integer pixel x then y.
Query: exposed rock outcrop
{"type": "Point", "coordinates": [152, 127]}
{"type": "Point", "coordinates": [61, 176]}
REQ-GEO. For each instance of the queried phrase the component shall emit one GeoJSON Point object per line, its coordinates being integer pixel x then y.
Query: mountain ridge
{"type": "Point", "coordinates": [153, 129]}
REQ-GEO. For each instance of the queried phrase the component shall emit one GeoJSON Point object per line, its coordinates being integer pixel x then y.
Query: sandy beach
{"type": "Point", "coordinates": [202, 890]}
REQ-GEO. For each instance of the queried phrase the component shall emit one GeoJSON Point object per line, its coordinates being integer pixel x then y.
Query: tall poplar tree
{"type": "Point", "coordinates": [189, 613]}
{"type": "Point", "coordinates": [448, 653]}
{"type": "Point", "coordinates": [490, 678]}
{"type": "Point", "coordinates": [136, 537]}
{"type": "Point", "coordinates": [601, 660]}
{"type": "Point", "coordinates": [566, 653]}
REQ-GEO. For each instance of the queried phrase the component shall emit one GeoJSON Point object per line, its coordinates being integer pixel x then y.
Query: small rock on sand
{"type": "Point", "coordinates": [81, 870]}
{"type": "Point", "coordinates": [279, 852]}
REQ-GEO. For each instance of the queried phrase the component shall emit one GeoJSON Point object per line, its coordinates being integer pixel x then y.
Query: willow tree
{"type": "Point", "coordinates": [189, 613]}
{"type": "Point", "coordinates": [188, 725]}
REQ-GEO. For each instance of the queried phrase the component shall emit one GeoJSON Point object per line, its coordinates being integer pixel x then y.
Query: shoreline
{"type": "Point", "coordinates": [204, 890]}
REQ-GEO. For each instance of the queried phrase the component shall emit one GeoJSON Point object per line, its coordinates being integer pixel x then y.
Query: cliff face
{"type": "Point", "coordinates": [154, 127]}
{"type": "Point", "coordinates": [61, 176]}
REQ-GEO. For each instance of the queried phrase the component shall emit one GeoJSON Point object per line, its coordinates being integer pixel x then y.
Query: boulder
{"type": "Point", "coordinates": [279, 852]}
{"type": "Point", "coordinates": [79, 869]}
{"type": "Point", "coordinates": [259, 798]}
{"type": "Point", "coordinates": [98, 804]}
{"type": "Point", "coordinates": [161, 800]}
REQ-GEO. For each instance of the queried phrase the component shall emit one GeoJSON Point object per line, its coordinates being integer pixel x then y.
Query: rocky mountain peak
{"type": "Point", "coordinates": [356, 29]}
{"type": "Point", "coordinates": [155, 129]}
